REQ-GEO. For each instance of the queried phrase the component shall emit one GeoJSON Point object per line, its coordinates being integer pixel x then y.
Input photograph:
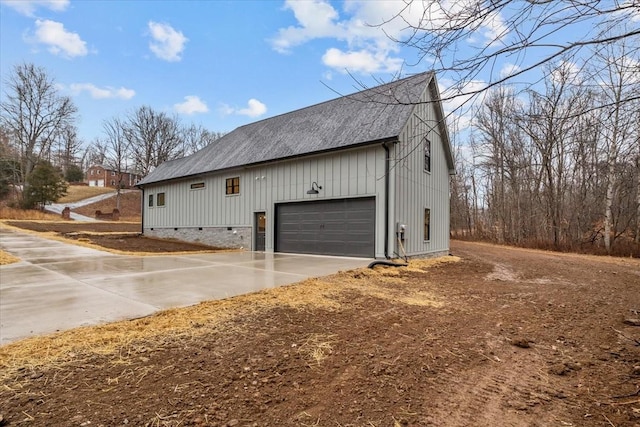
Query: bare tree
{"type": "Point", "coordinates": [196, 138]}
{"type": "Point", "coordinates": [546, 166]}
{"type": "Point", "coordinates": [525, 34]}
{"type": "Point", "coordinates": [66, 149]}
{"type": "Point", "coordinates": [154, 138]}
{"type": "Point", "coordinates": [118, 152]}
{"type": "Point", "coordinates": [618, 77]}
{"type": "Point", "coordinates": [94, 154]}
{"type": "Point", "coordinates": [34, 114]}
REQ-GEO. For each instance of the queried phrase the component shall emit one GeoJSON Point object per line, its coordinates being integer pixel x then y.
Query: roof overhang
{"type": "Point", "coordinates": [389, 140]}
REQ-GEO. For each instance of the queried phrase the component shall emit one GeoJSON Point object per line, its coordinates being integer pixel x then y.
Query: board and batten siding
{"type": "Point", "coordinates": [345, 174]}
{"type": "Point", "coordinates": [416, 189]}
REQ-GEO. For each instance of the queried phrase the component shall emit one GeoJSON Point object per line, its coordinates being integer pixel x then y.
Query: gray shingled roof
{"type": "Point", "coordinates": [372, 115]}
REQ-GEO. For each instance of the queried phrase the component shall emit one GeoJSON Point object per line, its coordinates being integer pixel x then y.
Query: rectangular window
{"type": "Point", "coordinates": [92, 171]}
{"type": "Point", "coordinates": [113, 182]}
{"type": "Point", "coordinates": [150, 200]}
{"type": "Point", "coordinates": [233, 185]}
{"type": "Point", "coordinates": [427, 155]}
{"type": "Point", "coordinates": [427, 224]}
{"type": "Point", "coordinates": [197, 185]}
{"type": "Point", "coordinates": [160, 199]}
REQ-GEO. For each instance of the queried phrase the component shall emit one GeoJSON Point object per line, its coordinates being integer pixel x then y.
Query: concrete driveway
{"type": "Point", "coordinates": [59, 286]}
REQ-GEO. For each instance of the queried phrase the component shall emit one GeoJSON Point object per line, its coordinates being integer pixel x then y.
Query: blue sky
{"type": "Point", "coordinates": [216, 63]}
{"type": "Point", "coordinates": [220, 64]}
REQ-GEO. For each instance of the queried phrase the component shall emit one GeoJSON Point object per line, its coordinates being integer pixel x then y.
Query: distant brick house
{"type": "Point", "coordinates": [102, 176]}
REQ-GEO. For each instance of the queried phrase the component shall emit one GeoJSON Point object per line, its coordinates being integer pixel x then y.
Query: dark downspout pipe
{"type": "Point", "coordinates": [386, 214]}
{"type": "Point", "coordinates": [142, 212]}
{"type": "Point", "coordinates": [386, 199]}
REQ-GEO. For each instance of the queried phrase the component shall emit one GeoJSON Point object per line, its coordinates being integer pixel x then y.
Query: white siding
{"type": "Point", "coordinates": [417, 189]}
{"type": "Point", "coordinates": [352, 173]}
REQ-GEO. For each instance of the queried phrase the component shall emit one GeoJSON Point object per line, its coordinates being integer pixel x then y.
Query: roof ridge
{"type": "Point", "coordinates": [373, 114]}
{"type": "Point", "coordinates": [379, 89]}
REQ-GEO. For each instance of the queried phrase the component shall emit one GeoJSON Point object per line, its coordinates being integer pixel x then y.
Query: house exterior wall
{"type": "Point", "coordinates": [99, 176]}
{"type": "Point", "coordinates": [416, 190]}
{"type": "Point", "coordinates": [205, 214]}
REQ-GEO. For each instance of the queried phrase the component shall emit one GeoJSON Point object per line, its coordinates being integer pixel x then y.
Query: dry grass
{"type": "Point", "coordinates": [128, 337]}
{"type": "Point", "coordinates": [75, 193]}
{"type": "Point", "coordinates": [316, 348]}
{"type": "Point", "coordinates": [130, 206]}
{"type": "Point", "coordinates": [6, 258]}
{"type": "Point", "coordinates": [27, 214]}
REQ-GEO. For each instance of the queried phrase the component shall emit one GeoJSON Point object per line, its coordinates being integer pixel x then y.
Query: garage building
{"type": "Point", "coordinates": [363, 175]}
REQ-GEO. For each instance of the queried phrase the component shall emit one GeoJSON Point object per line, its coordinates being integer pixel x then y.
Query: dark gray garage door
{"type": "Point", "coordinates": [327, 227]}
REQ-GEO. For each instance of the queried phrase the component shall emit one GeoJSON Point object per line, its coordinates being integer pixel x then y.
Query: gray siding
{"type": "Point", "coordinates": [416, 189]}
{"type": "Point", "coordinates": [345, 174]}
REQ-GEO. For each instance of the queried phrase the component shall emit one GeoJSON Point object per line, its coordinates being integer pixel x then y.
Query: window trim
{"type": "Point", "coordinates": [232, 186]}
{"type": "Point", "coordinates": [427, 152]}
{"type": "Point", "coordinates": [161, 200]}
{"type": "Point", "coordinates": [427, 225]}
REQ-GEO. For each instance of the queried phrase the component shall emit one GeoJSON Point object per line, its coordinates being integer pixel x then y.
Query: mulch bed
{"type": "Point", "coordinates": [64, 227]}
{"type": "Point", "coordinates": [138, 243]}
{"type": "Point", "coordinates": [122, 236]}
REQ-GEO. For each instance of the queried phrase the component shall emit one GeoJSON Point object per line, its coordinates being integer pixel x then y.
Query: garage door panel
{"type": "Point", "coordinates": [330, 227]}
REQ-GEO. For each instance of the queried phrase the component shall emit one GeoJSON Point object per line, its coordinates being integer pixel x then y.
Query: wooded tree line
{"type": "Point", "coordinates": [38, 126]}
{"type": "Point", "coordinates": [557, 166]}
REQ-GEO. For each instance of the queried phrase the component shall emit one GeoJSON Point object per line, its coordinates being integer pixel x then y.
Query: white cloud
{"type": "Point", "coordinates": [59, 40]}
{"type": "Point", "coordinates": [368, 29]}
{"type": "Point", "coordinates": [167, 43]}
{"type": "Point", "coordinates": [191, 105]}
{"type": "Point", "coordinates": [566, 71]}
{"type": "Point", "coordinates": [630, 9]}
{"type": "Point", "coordinates": [457, 100]}
{"type": "Point", "coordinates": [362, 61]}
{"type": "Point", "coordinates": [494, 29]}
{"type": "Point", "coordinates": [254, 108]}
{"type": "Point", "coordinates": [509, 69]}
{"type": "Point", "coordinates": [101, 93]}
{"type": "Point", "coordinates": [315, 18]}
{"type": "Point", "coordinates": [28, 7]}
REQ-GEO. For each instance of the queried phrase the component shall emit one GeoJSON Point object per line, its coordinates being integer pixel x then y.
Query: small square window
{"type": "Point", "coordinates": [427, 224]}
{"type": "Point", "coordinates": [160, 199]}
{"type": "Point", "coordinates": [150, 200]}
{"type": "Point", "coordinates": [427, 155]}
{"type": "Point", "coordinates": [233, 185]}
{"type": "Point", "coordinates": [113, 173]}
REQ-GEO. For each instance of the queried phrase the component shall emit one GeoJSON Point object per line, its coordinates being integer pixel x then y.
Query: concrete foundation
{"type": "Point", "coordinates": [221, 237]}
{"type": "Point", "coordinates": [435, 254]}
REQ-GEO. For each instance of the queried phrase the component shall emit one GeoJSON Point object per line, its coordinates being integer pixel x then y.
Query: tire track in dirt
{"type": "Point", "coordinates": [501, 393]}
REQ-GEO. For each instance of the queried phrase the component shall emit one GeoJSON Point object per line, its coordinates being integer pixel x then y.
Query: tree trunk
{"type": "Point", "coordinates": [637, 238]}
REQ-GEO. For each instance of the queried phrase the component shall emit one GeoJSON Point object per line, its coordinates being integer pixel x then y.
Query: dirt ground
{"type": "Point", "coordinates": [130, 206]}
{"type": "Point", "coordinates": [508, 337]}
{"type": "Point", "coordinates": [116, 235]}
